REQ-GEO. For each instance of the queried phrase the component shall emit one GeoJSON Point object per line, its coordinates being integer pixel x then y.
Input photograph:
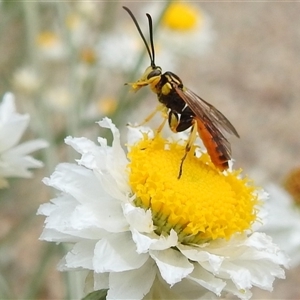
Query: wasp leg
{"type": "Point", "coordinates": [185, 121]}
{"type": "Point", "coordinates": [190, 142]}
{"type": "Point", "coordinates": [173, 120]}
{"type": "Point", "coordinates": [161, 126]}
{"type": "Point", "coordinates": [160, 108]}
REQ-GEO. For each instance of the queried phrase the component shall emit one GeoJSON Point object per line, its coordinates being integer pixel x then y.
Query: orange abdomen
{"type": "Point", "coordinates": [215, 149]}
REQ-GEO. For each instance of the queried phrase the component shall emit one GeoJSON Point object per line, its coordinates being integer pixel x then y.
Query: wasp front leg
{"type": "Point", "coordinates": [160, 108]}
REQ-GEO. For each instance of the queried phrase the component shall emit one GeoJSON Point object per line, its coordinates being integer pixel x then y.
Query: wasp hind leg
{"type": "Point", "coordinates": [178, 125]}
{"type": "Point", "coordinates": [188, 146]}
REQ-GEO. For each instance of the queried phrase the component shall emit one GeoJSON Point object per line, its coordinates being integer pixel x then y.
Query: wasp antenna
{"type": "Point", "coordinates": [151, 55]}
{"type": "Point", "coordinates": [151, 39]}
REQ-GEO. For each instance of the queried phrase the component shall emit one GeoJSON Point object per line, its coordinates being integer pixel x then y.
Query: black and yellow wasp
{"type": "Point", "coordinates": [184, 109]}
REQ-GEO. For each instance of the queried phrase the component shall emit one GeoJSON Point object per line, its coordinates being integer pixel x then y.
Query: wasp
{"type": "Point", "coordinates": [184, 109]}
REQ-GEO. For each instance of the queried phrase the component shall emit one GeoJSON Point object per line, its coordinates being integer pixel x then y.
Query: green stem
{"type": "Point", "coordinates": [5, 288]}
{"type": "Point", "coordinates": [38, 277]}
{"type": "Point", "coordinates": [32, 29]}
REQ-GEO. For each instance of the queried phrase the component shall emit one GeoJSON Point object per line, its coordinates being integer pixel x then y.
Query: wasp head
{"type": "Point", "coordinates": [151, 76]}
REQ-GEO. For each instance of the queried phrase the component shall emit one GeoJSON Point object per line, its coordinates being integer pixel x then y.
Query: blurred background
{"type": "Point", "coordinates": [67, 62]}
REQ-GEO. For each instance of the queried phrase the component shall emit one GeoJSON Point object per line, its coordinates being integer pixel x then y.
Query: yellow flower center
{"type": "Point", "coordinates": [204, 204]}
{"type": "Point", "coordinates": [182, 16]}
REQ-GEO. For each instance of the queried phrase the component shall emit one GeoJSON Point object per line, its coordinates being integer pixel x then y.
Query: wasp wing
{"type": "Point", "coordinates": [205, 111]}
{"type": "Point", "coordinates": [209, 117]}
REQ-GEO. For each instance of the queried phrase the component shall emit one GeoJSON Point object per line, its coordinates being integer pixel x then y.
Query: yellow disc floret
{"type": "Point", "coordinates": [182, 16]}
{"type": "Point", "coordinates": [204, 204]}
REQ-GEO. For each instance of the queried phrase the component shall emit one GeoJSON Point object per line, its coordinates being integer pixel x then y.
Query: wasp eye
{"type": "Point", "coordinates": [154, 72]}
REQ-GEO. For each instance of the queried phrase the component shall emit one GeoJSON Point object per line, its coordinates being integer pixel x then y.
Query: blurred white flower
{"type": "Point", "coordinates": [26, 80]}
{"type": "Point", "coordinates": [121, 51]}
{"type": "Point", "coordinates": [78, 29]}
{"type": "Point", "coordinates": [14, 157]}
{"type": "Point", "coordinates": [186, 30]}
{"type": "Point", "coordinates": [51, 46]}
{"type": "Point", "coordinates": [58, 98]}
{"type": "Point", "coordinates": [284, 222]}
{"type": "Point", "coordinates": [144, 234]}
{"type": "Point", "coordinates": [88, 9]}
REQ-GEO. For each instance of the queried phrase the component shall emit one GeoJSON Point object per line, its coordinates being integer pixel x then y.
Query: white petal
{"type": "Point", "coordinates": [207, 280]}
{"type": "Point", "coordinates": [196, 254]}
{"type": "Point", "coordinates": [88, 149]}
{"type": "Point", "coordinates": [45, 209]}
{"type": "Point", "coordinates": [133, 284]}
{"type": "Point", "coordinates": [118, 161]}
{"type": "Point", "coordinates": [265, 249]}
{"type": "Point", "coordinates": [18, 166]}
{"type": "Point", "coordinates": [98, 208]}
{"type": "Point", "coordinates": [28, 147]}
{"type": "Point", "coordinates": [283, 222]}
{"type": "Point", "coordinates": [248, 261]}
{"type": "Point", "coordinates": [138, 218]}
{"type": "Point", "coordinates": [7, 107]}
{"type": "Point", "coordinates": [64, 218]}
{"type": "Point", "coordinates": [14, 160]}
{"type": "Point", "coordinates": [12, 124]}
{"type": "Point", "coordinates": [53, 235]}
{"type": "Point", "coordinates": [185, 289]}
{"type": "Point", "coordinates": [108, 163]}
{"type": "Point", "coordinates": [118, 152]}
{"type": "Point", "coordinates": [101, 281]}
{"type": "Point", "coordinates": [188, 289]}
{"type": "Point", "coordinates": [117, 253]}
{"type": "Point", "coordinates": [81, 256]}
{"type": "Point", "coordinates": [111, 187]}
{"type": "Point", "coordinates": [144, 242]}
{"type": "Point", "coordinates": [240, 293]}
{"type": "Point", "coordinates": [172, 264]}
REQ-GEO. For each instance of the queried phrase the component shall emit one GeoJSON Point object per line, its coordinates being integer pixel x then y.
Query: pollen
{"type": "Point", "coordinates": [182, 17]}
{"type": "Point", "coordinates": [204, 204]}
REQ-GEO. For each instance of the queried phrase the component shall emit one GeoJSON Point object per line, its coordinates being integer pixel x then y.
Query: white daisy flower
{"type": "Point", "coordinates": [284, 222]}
{"type": "Point", "coordinates": [15, 160]}
{"type": "Point", "coordinates": [58, 98]}
{"type": "Point", "coordinates": [145, 234]}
